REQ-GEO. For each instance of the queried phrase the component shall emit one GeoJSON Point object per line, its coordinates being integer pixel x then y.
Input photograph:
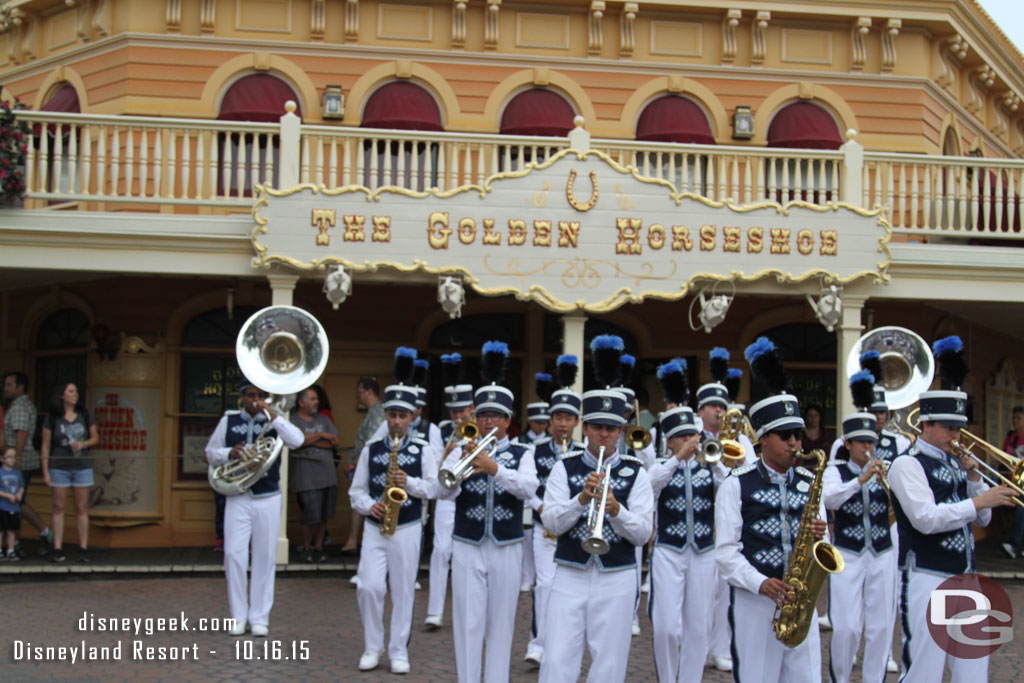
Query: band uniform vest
{"type": "Point", "coordinates": [949, 552]}
{"type": "Point", "coordinates": [410, 461]}
{"type": "Point", "coordinates": [862, 521]}
{"type": "Point", "coordinates": [484, 508]}
{"type": "Point", "coordinates": [546, 452]}
{"type": "Point", "coordinates": [622, 553]}
{"type": "Point", "coordinates": [686, 509]}
{"type": "Point", "coordinates": [771, 513]}
{"type": "Point", "coordinates": [243, 430]}
{"type": "Point", "coordinates": [887, 447]}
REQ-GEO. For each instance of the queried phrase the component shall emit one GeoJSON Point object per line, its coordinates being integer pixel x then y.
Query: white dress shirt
{"type": "Point", "coordinates": [417, 487]}
{"type": "Point", "coordinates": [661, 472]}
{"type": "Point", "coordinates": [218, 454]}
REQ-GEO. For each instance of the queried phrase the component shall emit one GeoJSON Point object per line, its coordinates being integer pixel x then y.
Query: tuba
{"type": "Point", "coordinates": [809, 565]}
{"type": "Point", "coordinates": [282, 350]}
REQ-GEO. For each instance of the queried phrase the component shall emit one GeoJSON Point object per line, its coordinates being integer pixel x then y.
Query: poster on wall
{"type": "Point", "coordinates": [126, 460]}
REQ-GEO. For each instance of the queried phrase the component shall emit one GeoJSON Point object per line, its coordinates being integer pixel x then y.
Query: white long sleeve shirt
{"type": "Point", "coordinates": [521, 483]}
{"type": "Point", "coordinates": [418, 487]}
{"type": "Point", "coordinates": [661, 472]}
{"type": "Point", "coordinates": [218, 454]}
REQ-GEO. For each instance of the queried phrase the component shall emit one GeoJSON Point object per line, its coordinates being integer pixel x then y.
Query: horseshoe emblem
{"type": "Point", "coordinates": [571, 196]}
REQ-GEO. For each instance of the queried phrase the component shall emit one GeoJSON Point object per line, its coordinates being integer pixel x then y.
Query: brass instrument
{"type": "Point", "coordinates": [282, 350]}
{"type": "Point", "coordinates": [965, 445]}
{"type": "Point", "coordinates": [394, 495]}
{"type": "Point", "coordinates": [734, 423]}
{"type": "Point", "coordinates": [595, 543]}
{"type": "Point", "coordinates": [908, 368]}
{"type": "Point", "coordinates": [809, 565]}
{"type": "Point", "coordinates": [463, 433]}
{"type": "Point", "coordinates": [637, 436]}
{"type": "Point", "coordinates": [464, 468]}
{"type": "Point", "coordinates": [729, 452]}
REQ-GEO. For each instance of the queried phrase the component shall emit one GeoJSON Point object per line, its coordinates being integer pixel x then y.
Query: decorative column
{"type": "Point", "coordinates": [847, 334]}
{"type": "Point", "coordinates": [573, 325]}
{"type": "Point", "coordinates": [282, 288]}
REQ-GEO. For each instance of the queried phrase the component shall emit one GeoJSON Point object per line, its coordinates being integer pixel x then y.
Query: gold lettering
{"type": "Point", "coordinates": [656, 236]}
{"type": "Point", "coordinates": [354, 228]}
{"type": "Point", "coordinates": [829, 243]}
{"type": "Point", "coordinates": [516, 232]}
{"type": "Point", "coordinates": [681, 238]}
{"type": "Point", "coordinates": [731, 239]}
{"type": "Point", "coordinates": [755, 240]}
{"type": "Point", "coordinates": [542, 233]}
{"type": "Point", "coordinates": [381, 229]}
{"type": "Point", "coordinates": [322, 219]}
{"type": "Point", "coordinates": [629, 236]}
{"type": "Point", "coordinates": [805, 242]}
{"type": "Point", "coordinates": [467, 230]}
{"type": "Point", "coordinates": [438, 231]}
{"type": "Point", "coordinates": [491, 237]}
{"type": "Point", "coordinates": [707, 237]}
{"type": "Point", "coordinates": [568, 233]}
{"type": "Point", "coordinates": [780, 241]}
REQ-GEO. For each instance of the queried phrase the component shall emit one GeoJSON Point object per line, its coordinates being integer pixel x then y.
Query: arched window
{"type": "Point", "coordinates": [401, 105]}
{"type": "Point", "coordinates": [672, 118]}
{"type": "Point", "coordinates": [62, 342]}
{"type": "Point", "coordinates": [951, 143]}
{"type": "Point", "coordinates": [535, 112]}
{"type": "Point", "coordinates": [57, 146]}
{"type": "Point", "coordinates": [258, 98]}
{"type": "Point", "coordinates": [803, 125]}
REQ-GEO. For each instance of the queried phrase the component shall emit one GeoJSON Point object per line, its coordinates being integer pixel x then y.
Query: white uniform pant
{"type": "Point", "coordinates": [861, 600]}
{"type": "Point", "coordinates": [757, 655]}
{"type": "Point", "coordinates": [680, 604]}
{"type": "Point", "coordinates": [485, 593]}
{"type": "Point", "coordinates": [720, 639]}
{"type": "Point", "coordinates": [923, 660]}
{"type": "Point", "coordinates": [440, 556]}
{"type": "Point", "coordinates": [544, 562]}
{"type": "Point", "coordinates": [388, 563]}
{"type": "Point", "coordinates": [593, 608]}
{"type": "Point", "coordinates": [254, 522]}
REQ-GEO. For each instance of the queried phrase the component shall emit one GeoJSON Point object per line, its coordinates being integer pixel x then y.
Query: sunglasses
{"type": "Point", "coordinates": [787, 434]}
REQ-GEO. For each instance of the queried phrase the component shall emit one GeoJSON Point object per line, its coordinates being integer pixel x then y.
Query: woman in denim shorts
{"type": "Point", "coordinates": [68, 432]}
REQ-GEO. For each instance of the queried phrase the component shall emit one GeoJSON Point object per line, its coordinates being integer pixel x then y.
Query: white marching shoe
{"type": "Point", "coordinates": [534, 656]}
{"type": "Point", "coordinates": [418, 586]}
{"type": "Point", "coordinates": [636, 629]}
{"type": "Point", "coordinates": [891, 666]}
{"type": "Point", "coordinates": [399, 666]}
{"type": "Point", "coordinates": [434, 621]}
{"type": "Point", "coordinates": [238, 629]}
{"type": "Point", "coordinates": [260, 630]}
{"type": "Point", "coordinates": [370, 660]}
{"type": "Point", "coordinates": [824, 623]}
{"type": "Point", "coordinates": [722, 663]}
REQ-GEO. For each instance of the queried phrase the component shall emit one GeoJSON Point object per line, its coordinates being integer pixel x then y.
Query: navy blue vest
{"type": "Point", "coordinates": [242, 430]}
{"type": "Point", "coordinates": [686, 509]}
{"type": "Point", "coordinates": [447, 429]}
{"type": "Point", "coordinates": [622, 554]}
{"type": "Point", "coordinates": [949, 552]}
{"type": "Point", "coordinates": [886, 448]}
{"type": "Point", "coordinates": [423, 429]}
{"type": "Point", "coordinates": [862, 521]}
{"type": "Point", "coordinates": [410, 461]}
{"type": "Point", "coordinates": [771, 515]}
{"type": "Point", "coordinates": [484, 508]}
{"type": "Point", "coordinates": [546, 452]}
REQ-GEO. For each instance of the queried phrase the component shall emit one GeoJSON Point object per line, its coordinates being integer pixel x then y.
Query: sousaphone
{"type": "Point", "coordinates": [908, 366]}
{"type": "Point", "coordinates": [281, 350]}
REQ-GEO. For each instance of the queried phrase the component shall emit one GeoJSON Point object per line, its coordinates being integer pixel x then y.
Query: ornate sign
{"type": "Point", "coordinates": [575, 232]}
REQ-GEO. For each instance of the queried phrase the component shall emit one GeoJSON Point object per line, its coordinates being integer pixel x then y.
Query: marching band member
{"type": "Point", "coordinates": [459, 402]}
{"type": "Point", "coordinates": [862, 596]}
{"type": "Point", "coordinates": [757, 512]}
{"type": "Point", "coordinates": [537, 419]}
{"type": "Point", "coordinates": [682, 569]}
{"type": "Point", "coordinates": [253, 517]}
{"type": "Point", "coordinates": [487, 554]}
{"type": "Point", "coordinates": [593, 598]}
{"type": "Point", "coordinates": [713, 401]}
{"type": "Point", "coordinates": [390, 557]}
{"type": "Point", "coordinates": [565, 416]}
{"type": "Point", "coordinates": [937, 495]}
{"type": "Point", "coordinates": [428, 431]}
{"type": "Point", "coordinates": [890, 444]}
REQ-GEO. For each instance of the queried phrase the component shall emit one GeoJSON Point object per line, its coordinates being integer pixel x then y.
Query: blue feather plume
{"type": "Point", "coordinates": [568, 368]}
{"type": "Point", "coordinates": [405, 359]}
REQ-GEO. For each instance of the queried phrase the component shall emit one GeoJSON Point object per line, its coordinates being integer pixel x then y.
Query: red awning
{"type": "Point", "coordinates": [804, 125]}
{"type": "Point", "coordinates": [537, 112]}
{"type": "Point", "coordinates": [674, 119]}
{"type": "Point", "coordinates": [402, 105]}
{"type": "Point", "coordinates": [259, 97]}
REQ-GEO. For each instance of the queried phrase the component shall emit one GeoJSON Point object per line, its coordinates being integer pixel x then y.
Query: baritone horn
{"type": "Point", "coordinates": [281, 350]}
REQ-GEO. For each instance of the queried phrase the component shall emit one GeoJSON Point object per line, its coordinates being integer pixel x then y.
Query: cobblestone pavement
{"type": "Point", "coordinates": [315, 612]}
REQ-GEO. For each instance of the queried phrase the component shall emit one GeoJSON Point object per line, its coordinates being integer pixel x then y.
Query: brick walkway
{"type": "Point", "coordinates": [318, 608]}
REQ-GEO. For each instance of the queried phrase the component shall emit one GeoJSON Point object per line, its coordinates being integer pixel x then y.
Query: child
{"type": "Point", "coordinates": [12, 488]}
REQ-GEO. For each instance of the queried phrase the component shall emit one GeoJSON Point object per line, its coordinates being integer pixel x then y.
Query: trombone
{"type": "Point", "coordinates": [463, 468]}
{"type": "Point", "coordinates": [463, 433]}
{"type": "Point", "coordinates": [966, 444]}
{"type": "Point", "coordinates": [595, 543]}
{"type": "Point", "coordinates": [638, 437]}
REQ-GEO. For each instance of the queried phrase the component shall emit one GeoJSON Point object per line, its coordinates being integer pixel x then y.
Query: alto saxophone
{"type": "Point", "coordinates": [809, 566]}
{"type": "Point", "coordinates": [394, 495]}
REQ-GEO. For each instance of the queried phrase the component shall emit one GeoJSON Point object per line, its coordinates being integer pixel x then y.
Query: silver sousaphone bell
{"type": "Point", "coordinates": [907, 365]}
{"type": "Point", "coordinates": [281, 350]}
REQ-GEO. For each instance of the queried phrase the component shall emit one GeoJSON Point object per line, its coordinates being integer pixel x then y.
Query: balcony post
{"type": "Point", "coordinates": [573, 339]}
{"type": "Point", "coordinates": [853, 170]}
{"type": "Point", "coordinates": [579, 137]}
{"type": "Point", "coordinates": [291, 134]}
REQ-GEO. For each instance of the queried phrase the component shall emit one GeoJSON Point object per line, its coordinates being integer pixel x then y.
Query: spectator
{"type": "Point", "coordinates": [368, 394]}
{"type": "Point", "coordinates": [19, 426]}
{"type": "Point", "coordinates": [12, 488]}
{"type": "Point", "coordinates": [815, 435]}
{"type": "Point", "coordinates": [1014, 445]}
{"type": "Point", "coordinates": [68, 434]}
{"type": "Point", "coordinates": [323, 401]}
{"type": "Point", "coordinates": [313, 477]}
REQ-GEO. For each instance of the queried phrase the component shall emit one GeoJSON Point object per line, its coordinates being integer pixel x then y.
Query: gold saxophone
{"type": "Point", "coordinates": [394, 495]}
{"type": "Point", "coordinates": [809, 566]}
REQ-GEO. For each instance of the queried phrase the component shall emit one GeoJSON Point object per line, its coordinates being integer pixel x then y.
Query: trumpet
{"type": "Point", "coordinates": [965, 445]}
{"type": "Point", "coordinates": [463, 468]}
{"type": "Point", "coordinates": [595, 543]}
{"type": "Point", "coordinates": [727, 451]}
